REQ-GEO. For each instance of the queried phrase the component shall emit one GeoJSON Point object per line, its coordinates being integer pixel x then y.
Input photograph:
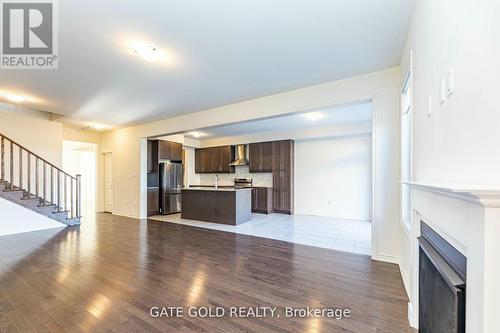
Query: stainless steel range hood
{"type": "Point", "coordinates": [241, 156]}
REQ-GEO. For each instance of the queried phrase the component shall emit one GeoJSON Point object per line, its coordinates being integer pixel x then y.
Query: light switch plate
{"type": "Point", "coordinates": [450, 83]}
{"type": "Point", "coordinates": [429, 107]}
{"type": "Point", "coordinates": [443, 91]}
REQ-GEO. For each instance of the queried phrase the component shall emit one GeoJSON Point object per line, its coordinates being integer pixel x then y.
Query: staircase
{"type": "Point", "coordinates": [30, 181]}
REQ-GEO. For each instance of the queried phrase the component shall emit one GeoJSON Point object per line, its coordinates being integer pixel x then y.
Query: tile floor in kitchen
{"type": "Point", "coordinates": [327, 232]}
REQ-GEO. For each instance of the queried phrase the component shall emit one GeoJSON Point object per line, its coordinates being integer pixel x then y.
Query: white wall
{"type": "Point", "coordinates": [75, 134]}
{"type": "Point", "coordinates": [381, 87]}
{"type": "Point", "coordinates": [80, 159]}
{"type": "Point", "coordinates": [17, 219]}
{"type": "Point", "coordinates": [33, 130]}
{"type": "Point", "coordinates": [458, 143]}
{"type": "Point", "coordinates": [190, 176]}
{"type": "Point", "coordinates": [333, 177]}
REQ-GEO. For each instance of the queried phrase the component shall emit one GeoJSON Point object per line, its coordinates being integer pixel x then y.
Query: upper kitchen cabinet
{"type": "Point", "coordinates": [261, 157]}
{"type": "Point", "coordinates": [169, 151]}
{"type": "Point", "coordinates": [283, 154]}
{"type": "Point", "coordinates": [283, 174]}
{"type": "Point", "coordinates": [214, 159]}
{"type": "Point", "coordinates": [225, 156]}
{"type": "Point", "coordinates": [199, 157]}
{"type": "Point", "coordinates": [152, 156]}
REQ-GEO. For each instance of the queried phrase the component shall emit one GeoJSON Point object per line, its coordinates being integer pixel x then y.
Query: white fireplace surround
{"type": "Point", "coordinates": [468, 217]}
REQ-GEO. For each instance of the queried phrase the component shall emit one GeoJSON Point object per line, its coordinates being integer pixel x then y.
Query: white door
{"type": "Point", "coordinates": [108, 182]}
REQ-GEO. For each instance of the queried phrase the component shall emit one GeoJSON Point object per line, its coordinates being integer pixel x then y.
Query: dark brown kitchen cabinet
{"type": "Point", "coordinates": [169, 151]}
{"type": "Point", "coordinates": [152, 156]}
{"type": "Point", "coordinates": [153, 200]}
{"type": "Point", "coordinates": [262, 200]}
{"type": "Point", "coordinates": [283, 173]}
{"type": "Point", "coordinates": [152, 167]}
{"type": "Point", "coordinates": [225, 156]}
{"type": "Point", "coordinates": [199, 160]}
{"type": "Point", "coordinates": [214, 159]}
{"type": "Point", "coordinates": [261, 157]}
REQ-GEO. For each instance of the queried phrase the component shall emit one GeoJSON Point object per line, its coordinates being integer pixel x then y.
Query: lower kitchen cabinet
{"type": "Point", "coordinates": [262, 200]}
{"type": "Point", "coordinates": [153, 201]}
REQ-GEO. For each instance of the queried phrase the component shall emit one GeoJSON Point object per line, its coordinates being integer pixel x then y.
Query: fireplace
{"type": "Point", "coordinates": [442, 281]}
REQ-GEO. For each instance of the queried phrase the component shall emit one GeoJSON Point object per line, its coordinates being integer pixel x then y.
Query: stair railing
{"type": "Point", "coordinates": [38, 178]}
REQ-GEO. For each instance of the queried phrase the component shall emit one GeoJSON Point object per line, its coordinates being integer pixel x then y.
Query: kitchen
{"type": "Point", "coordinates": [228, 198]}
{"type": "Point", "coordinates": [303, 178]}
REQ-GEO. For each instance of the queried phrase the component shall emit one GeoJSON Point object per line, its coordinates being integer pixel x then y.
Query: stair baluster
{"type": "Point", "coordinates": [36, 176]}
{"type": "Point", "coordinates": [2, 154]}
{"type": "Point", "coordinates": [11, 183]}
{"type": "Point", "coordinates": [28, 176]}
{"type": "Point", "coordinates": [20, 152]}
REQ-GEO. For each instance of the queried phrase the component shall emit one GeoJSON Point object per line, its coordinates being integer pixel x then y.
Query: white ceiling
{"type": "Point", "coordinates": [339, 115]}
{"type": "Point", "coordinates": [217, 52]}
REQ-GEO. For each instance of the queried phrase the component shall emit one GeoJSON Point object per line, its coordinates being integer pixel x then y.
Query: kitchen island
{"type": "Point", "coordinates": [231, 206]}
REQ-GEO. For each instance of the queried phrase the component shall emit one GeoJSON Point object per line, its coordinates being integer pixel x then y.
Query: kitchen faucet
{"type": "Point", "coordinates": [216, 181]}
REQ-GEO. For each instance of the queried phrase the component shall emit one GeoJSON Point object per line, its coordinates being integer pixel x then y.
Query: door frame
{"type": "Point", "coordinates": [104, 155]}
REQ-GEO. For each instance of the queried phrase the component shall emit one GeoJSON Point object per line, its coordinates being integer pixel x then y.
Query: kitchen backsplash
{"type": "Point", "coordinates": [259, 179]}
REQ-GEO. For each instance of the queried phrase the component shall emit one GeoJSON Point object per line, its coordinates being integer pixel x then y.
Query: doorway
{"type": "Point", "coordinates": [80, 158]}
{"type": "Point", "coordinates": [108, 182]}
{"type": "Point", "coordinates": [333, 175]}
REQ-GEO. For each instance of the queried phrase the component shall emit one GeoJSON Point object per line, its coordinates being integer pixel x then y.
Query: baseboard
{"type": "Point", "coordinates": [412, 316]}
{"type": "Point", "coordinates": [386, 258]}
{"type": "Point", "coordinates": [406, 281]}
{"type": "Point", "coordinates": [126, 215]}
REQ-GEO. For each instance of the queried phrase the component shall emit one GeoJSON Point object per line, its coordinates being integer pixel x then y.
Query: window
{"type": "Point", "coordinates": [406, 145]}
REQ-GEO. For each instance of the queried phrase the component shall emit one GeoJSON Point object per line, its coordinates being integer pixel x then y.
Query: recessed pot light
{"type": "Point", "coordinates": [148, 52]}
{"type": "Point", "coordinates": [313, 115]}
{"type": "Point", "coordinates": [14, 98]}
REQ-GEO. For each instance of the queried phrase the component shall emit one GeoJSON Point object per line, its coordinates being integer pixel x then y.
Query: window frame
{"type": "Point", "coordinates": [407, 144]}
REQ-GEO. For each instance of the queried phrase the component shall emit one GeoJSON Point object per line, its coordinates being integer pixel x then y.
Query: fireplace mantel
{"type": "Point", "coordinates": [487, 196]}
{"type": "Point", "coordinates": [468, 217]}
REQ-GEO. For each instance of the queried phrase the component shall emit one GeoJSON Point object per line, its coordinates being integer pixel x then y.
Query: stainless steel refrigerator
{"type": "Point", "coordinates": [171, 183]}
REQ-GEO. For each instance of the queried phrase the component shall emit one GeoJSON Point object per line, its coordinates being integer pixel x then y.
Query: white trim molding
{"type": "Point", "coordinates": [468, 217]}
{"type": "Point", "coordinates": [386, 258]}
{"type": "Point", "coordinates": [487, 196]}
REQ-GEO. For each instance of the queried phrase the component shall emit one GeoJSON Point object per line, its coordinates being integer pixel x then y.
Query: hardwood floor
{"type": "Point", "coordinates": [106, 275]}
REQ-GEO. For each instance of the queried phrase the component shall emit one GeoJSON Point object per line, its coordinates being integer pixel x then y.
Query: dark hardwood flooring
{"type": "Point", "coordinates": [106, 275]}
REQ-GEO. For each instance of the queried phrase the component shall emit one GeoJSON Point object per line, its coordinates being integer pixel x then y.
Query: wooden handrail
{"type": "Point", "coordinates": [37, 156]}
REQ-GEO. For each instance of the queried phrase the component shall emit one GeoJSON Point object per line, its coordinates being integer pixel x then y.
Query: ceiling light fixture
{"type": "Point", "coordinates": [148, 52]}
{"type": "Point", "coordinates": [313, 115]}
{"type": "Point", "coordinates": [100, 126]}
{"type": "Point", "coordinates": [197, 134]}
{"type": "Point", "coordinates": [14, 98]}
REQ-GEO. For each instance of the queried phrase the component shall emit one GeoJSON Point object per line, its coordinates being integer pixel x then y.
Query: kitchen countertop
{"type": "Point", "coordinates": [225, 186]}
{"type": "Point", "coordinates": [219, 189]}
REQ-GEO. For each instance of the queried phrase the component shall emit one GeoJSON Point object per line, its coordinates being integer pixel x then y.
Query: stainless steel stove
{"type": "Point", "coordinates": [242, 182]}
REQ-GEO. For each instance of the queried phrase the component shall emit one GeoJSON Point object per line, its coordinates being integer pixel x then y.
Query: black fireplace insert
{"type": "Point", "coordinates": [442, 282]}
